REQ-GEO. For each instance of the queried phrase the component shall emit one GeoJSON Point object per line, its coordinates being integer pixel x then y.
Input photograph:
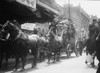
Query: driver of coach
{"type": "Point", "coordinates": [92, 28]}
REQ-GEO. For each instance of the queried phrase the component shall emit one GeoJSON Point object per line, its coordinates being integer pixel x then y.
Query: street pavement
{"type": "Point", "coordinates": [72, 65]}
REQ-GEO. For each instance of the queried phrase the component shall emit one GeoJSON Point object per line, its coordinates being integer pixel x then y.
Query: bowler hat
{"type": "Point", "coordinates": [94, 20]}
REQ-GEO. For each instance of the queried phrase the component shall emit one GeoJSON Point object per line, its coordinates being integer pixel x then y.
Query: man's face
{"type": "Point", "coordinates": [94, 22]}
{"type": "Point", "coordinates": [96, 25]}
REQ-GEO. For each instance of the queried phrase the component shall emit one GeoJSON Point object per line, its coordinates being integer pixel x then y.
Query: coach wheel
{"type": "Point", "coordinates": [68, 51]}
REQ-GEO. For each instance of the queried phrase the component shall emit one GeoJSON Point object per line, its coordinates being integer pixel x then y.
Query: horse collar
{"type": "Point", "coordinates": [18, 35]}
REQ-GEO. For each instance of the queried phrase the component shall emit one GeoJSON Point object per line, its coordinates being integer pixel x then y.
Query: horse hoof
{"type": "Point", "coordinates": [14, 70]}
{"type": "Point", "coordinates": [22, 70]}
{"type": "Point", "coordinates": [48, 62]}
{"type": "Point", "coordinates": [58, 60]}
{"type": "Point", "coordinates": [34, 66]}
{"type": "Point", "coordinates": [53, 62]}
{"type": "Point", "coordinates": [93, 65]}
{"type": "Point", "coordinates": [85, 62]}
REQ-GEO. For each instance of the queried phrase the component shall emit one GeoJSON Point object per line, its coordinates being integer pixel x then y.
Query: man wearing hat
{"type": "Point", "coordinates": [53, 25]}
{"type": "Point", "coordinates": [92, 28]}
{"type": "Point", "coordinates": [91, 42]}
{"type": "Point", "coordinates": [71, 30]}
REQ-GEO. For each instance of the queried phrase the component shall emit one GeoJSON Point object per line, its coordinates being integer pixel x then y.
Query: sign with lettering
{"type": "Point", "coordinates": [29, 3]}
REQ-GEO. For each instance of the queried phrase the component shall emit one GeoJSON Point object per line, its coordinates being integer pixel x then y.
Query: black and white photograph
{"type": "Point", "coordinates": [49, 36]}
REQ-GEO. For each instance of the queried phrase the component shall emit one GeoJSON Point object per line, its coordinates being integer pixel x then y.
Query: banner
{"type": "Point", "coordinates": [29, 3]}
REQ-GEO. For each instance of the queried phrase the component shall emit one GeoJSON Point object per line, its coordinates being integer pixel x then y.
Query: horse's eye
{"type": "Point", "coordinates": [2, 30]}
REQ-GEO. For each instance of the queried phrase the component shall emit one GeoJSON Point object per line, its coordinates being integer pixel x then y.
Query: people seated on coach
{"type": "Point", "coordinates": [53, 25]}
{"type": "Point", "coordinates": [71, 30]}
{"type": "Point", "coordinates": [92, 28]}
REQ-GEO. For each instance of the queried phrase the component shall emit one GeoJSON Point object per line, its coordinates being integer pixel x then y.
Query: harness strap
{"type": "Point", "coordinates": [18, 36]}
{"type": "Point", "coordinates": [98, 36]}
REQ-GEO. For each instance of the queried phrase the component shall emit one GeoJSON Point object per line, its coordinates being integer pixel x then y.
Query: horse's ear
{"type": "Point", "coordinates": [0, 25]}
{"type": "Point", "coordinates": [7, 22]}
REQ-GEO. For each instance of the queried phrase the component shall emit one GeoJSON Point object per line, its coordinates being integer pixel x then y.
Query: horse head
{"type": "Point", "coordinates": [0, 31]}
{"type": "Point", "coordinates": [10, 28]}
{"type": "Point", "coordinates": [3, 34]}
{"type": "Point", "coordinates": [0, 26]}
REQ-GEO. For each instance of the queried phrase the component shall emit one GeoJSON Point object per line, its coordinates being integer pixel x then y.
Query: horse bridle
{"type": "Point", "coordinates": [19, 33]}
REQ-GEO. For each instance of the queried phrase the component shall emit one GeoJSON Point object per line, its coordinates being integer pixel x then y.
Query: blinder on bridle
{"type": "Point", "coordinates": [5, 34]}
{"type": "Point", "coordinates": [6, 23]}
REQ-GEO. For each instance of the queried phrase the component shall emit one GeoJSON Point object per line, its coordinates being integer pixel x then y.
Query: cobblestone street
{"type": "Point", "coordinates": [71, 65]}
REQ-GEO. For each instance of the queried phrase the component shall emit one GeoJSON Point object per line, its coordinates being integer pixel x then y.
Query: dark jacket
{"type": "Point", "coordinates": [92, 30]}
{"type": "Point", "coordinates": [53, 27]}
{"type": "Point", "coordinates": [71, 32]}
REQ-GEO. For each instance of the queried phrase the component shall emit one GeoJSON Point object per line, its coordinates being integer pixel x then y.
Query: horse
{"type": "Point", "coordinates": [4, 52]}
{"type": "Point", "coordinates": [70, 44]}
{"type": "Point", "coordinates": [4, 46]}
{"type": "Point", "coordinates": [21, 44]}
{"type": "Point", "coordinates": [42, 46]}
{"type": "Point", "coordinates": [91, 49]}
{"type": "Point", "coordinates": [98, 51]}
{"type": "Point", "coordinates": [54, 46]}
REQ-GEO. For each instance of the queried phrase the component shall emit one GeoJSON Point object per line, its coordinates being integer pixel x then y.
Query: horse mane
{"type": "Point", "coordinates": [21, 34]}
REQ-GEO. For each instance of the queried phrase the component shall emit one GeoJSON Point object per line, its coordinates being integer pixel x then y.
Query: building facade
{"type": "Point", "coordinates": [79, 17]}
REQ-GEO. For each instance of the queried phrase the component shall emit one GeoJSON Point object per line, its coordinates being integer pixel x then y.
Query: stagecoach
{"type": "Point", "coordinates": [69, 46]}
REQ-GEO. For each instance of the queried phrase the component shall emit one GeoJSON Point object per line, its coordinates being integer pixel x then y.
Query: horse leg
{"type": "Point", "coordinates": [93, 62]}
{"type": "Point", "coordinates": [58, 55]}
{"type": "Point", "coordinates": [0, 62]}
{"type": "Point", "coordinates": [98, 70]}
{"type": "Point", "coordinates": [80, 50]}
{"type": "Point", "coordinates": [35, 54]}
{"type": "Point", "coordinates": [23, 59]}
{"type": "Point", "coordinates": [17, 63]}
{"type": "Point", "coordinates": [86, 55]}
{"type": "Point", "coordinates": [55, 54]}
{"type": "Point", "coordinates": [49, 56]}
{"type": "Point", "coordinates": [34, 61]}
{"type": "Point", "coordinates": [1, 59]}
{"type": "Point", "coordinates": [6, 65]}
{"type": "Point", "coordinates": [87, 52]}
{"type": "Point", "coordinates": [43, 56]}
{"type": "Point", "coordinates": [40, 56]}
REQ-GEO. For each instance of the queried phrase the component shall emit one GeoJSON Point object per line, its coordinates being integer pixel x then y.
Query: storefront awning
{"type": "Point", "coordinates": [29, 3]}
